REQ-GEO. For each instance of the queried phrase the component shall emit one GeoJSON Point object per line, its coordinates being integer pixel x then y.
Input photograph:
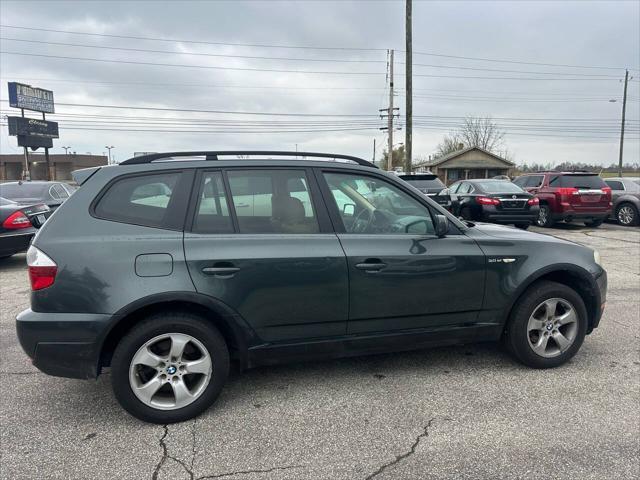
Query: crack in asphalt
{"type": "Point", "coordinates": [166, 456]}
{"type": "Point", "coordinates": [412, 450]}
{"type": "Point", "coordinates": [246, 472]}
{"type": "Point", "coordinates": [193, 444]}
{"type": "Point", "coordinates": [590, 234]}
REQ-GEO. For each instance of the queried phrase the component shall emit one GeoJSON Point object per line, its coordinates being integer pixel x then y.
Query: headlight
{"type": "Point", "coordinates": [596, 257]}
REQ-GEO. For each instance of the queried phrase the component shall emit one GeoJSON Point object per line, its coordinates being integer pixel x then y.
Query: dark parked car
{"type": "Point", "coordinates": [431, 185]}
{"type": "Point", "coordinates": [18, 225]}
{"type": "Point", "coordinates": [214, 259]}
{"type": "Point", "coordinates": [495, 201]}
{"type": "Point", "coordinates": [52, 194]}
{"type": "Point", "coordinates": [569, 196]}
{"type": "Point", "coordinates": [626, 199]}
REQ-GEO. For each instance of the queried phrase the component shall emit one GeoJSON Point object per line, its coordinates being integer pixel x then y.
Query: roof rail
{"type": "Point", "coordinates": [213, 155]}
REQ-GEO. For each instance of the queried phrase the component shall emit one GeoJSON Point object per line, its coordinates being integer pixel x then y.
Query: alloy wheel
{"type": "Point", "coordinates": [626, 215]}
{"type": "Point", "coordinates": [170, 371]}
{"type": "Point", "coordinates": [552, 327]}
{"type": "Point", "coordinates": [542, 216]}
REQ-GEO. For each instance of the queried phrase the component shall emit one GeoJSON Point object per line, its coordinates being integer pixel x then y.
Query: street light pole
{"type": "Point", "coordinates": [624, 107]}
{"type": "Point", "coordinates": [109, 148]}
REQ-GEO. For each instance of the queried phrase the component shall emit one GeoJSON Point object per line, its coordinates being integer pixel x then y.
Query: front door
{"type": "Point", "coordinates": [402, 276]}
{"type": "Point", "coordinates": [256, 244]}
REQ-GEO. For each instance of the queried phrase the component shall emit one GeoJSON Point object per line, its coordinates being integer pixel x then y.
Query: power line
{"type": "Point", "coordinates": [516, 71]}
{"type": "Point", "coordinates": [221, 55]}
{"type": "Point", "coordinates": [208, 67]}
{"type": "Point", "coordinates": [199, 42]}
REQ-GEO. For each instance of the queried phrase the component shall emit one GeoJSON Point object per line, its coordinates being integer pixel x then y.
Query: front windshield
{"type": "Point", "coordinates": [499, 186]}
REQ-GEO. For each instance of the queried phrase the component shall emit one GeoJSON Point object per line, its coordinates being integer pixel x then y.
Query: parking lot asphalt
{"type": "Point", "coordinates": [467, 412]}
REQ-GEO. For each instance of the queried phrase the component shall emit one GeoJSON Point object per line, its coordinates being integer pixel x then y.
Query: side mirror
{"type": "Point", "coordinates": [442, 225]}
{"type": "Point", "coordinates": [349, 209]}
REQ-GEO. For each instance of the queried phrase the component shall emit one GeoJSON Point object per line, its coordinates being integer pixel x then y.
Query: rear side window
{"type": "Point", "coordinates": [521, 181]}
{"type": "Point", "coordinates": [535, 181]}
{"type": "Point", "coordinates": [615, 184]}
{"type": "Point", "coordinates": [584, 182]}
{"type": "Point", "coordinates": [212, 214]}
{"type": "Point", "coordinates": [272, 201]}
{"type": "Point", "coordinates": [140, 200]}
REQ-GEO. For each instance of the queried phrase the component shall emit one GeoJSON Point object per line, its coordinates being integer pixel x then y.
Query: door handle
{"type": "Point", "coordinates": [222, 272]}
{"type": "Point", "coordinates": [371, 265]}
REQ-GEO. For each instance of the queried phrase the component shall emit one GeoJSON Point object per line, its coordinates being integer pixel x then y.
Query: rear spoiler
{"type": "Point", "coordinates": [82, 175]}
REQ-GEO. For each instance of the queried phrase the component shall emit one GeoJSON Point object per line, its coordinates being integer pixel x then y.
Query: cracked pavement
{"type": "Point", "coordinates": [467, 412]}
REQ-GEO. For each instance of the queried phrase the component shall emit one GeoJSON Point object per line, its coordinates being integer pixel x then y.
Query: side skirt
{"type": "Point", "coordinates": [354, 345]}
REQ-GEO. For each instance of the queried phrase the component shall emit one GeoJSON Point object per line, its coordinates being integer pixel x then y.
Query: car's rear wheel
{"type": "Point", "coordinates": [169, 368]}
{"type": "Point", "coordinates": [522, 226]}
{"type": "Point", "coordinates": [544, 217]}
{"type": "Point", "coordinates": [594, 223]}
{"type": "Point", "coordinates": [547, 325]}
{"type": "Point", "coordinates": [627, 214]}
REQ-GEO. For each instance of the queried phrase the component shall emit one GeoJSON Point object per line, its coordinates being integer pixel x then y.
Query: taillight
{"type": "Point", "coordinates": [487, 201]}
{"type": "Point", "coordinates": [42, 270]}
{"type": "Point", "coordinates": [567, 191]}
{"type": "Point", "coordinates": [16, 220]}
{"type": "Point", "coordinates": [606, 190]}
{"type": "Point", "coordinates": [533, 201]}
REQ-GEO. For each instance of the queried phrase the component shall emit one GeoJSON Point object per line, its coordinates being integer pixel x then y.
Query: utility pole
{"type": "Point", "coordinates": [624, 108]}
{"type": "Point", "coordinates": [26, 174]}
{"type": "Point", "coordinates": [374, 151]}
{"type": "Point", "coordinates": [408, 90]}
{"type": "Point", "coordinates": [390, 116]}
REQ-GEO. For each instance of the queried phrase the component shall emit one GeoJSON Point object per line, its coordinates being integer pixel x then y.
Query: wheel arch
{"type": "Point", "coordinates": [570, 275]}
{"type": "Point", "coordinates": [236, 332]}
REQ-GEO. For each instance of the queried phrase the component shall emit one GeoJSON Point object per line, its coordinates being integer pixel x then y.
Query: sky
{"type": "Point", "coordinates": [180, 73]}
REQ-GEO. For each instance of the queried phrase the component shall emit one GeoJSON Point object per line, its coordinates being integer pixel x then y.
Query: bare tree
{"type": "Point", "coordinates": [397, 160]}
{"type": "Point", "coordinates": [450, 143]}
{"type": "Point", "coordinates": [481, 132]}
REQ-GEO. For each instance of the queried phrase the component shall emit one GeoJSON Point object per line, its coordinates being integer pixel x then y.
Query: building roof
{"type": "Point", "coordinates": [457, 153]}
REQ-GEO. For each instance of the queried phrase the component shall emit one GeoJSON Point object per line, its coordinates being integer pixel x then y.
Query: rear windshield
{"type": "Point", "coordinates": [577, 181]}
{"type": "Point", "coordinates": [423, 181]}
{"type": "Point", "coordinates": [26, 190]}
{"type": "Point", "coordinates": [500, 186]}
{"type": "Point", "coordinates": [4, 201]}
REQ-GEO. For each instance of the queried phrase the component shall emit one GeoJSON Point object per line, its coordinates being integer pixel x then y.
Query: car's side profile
{"type": "Point", "coordinates": [625, 192]}
{"type": "Point", "coordinates": [171, 271]}
{"type": "Point", "coordinates": [494, 200]}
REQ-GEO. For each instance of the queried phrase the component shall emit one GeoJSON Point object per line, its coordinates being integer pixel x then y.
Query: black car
{"type": "Point", "coordinates": [213, 259]}
{"type": "Point", "coordinates": [18, 224]}
{"type": "Point", "coordinates": [496, 201]}
{"type": "Point", "coordinates": [430, 185]}
{"type": "Point", "coordinates": [52, 194]}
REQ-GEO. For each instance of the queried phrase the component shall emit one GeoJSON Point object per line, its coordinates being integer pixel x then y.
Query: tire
{"type": "Point", "coordinates": [158, 334]}
{"type": "Point", "coordinates": [526, 341]}
{"type": "Point", "coordinates": [544, 217]}
{"type": "Point", "coordinates": [522, 226]}
{"type": "Point", "coordinates": [627, 214]}
{"type": "Point", "coordinates": [466, 213]}
{"type": "Point", "coordinates": [594, 223]}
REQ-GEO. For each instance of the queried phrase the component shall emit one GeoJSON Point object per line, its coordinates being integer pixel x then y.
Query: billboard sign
{"type": "Point", "coordinates": [34, 142]}
{"type": "Point", "coordinates": [30, 98]}
{"type": "Point", "coordinates": [32, 126]}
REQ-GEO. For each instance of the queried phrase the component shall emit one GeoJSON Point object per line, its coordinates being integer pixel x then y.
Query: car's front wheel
{"type": "Point", "coordinates": [547, 325]}
{"type": "Point", "coordinates": [169, 368]}
{"type": "Point", "coordinates": [544, 217]}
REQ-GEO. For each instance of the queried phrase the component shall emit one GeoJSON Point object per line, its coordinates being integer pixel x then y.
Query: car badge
{"type": "Point", "coordinates": [514, 196]}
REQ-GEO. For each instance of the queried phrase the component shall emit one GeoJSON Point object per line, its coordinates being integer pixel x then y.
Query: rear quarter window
{"type": "Point", "coordinates": [140, 200]}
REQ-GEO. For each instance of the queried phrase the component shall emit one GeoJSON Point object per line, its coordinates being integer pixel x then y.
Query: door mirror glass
{"type": "Point", "coordinates": [348, 209]}
{"type": "Point", "coordinates": [442, 225]}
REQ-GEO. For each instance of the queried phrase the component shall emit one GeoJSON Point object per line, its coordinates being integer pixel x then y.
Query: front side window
{"type": "Point", "coordinates": [140, 200]}
{"type": "Point", "coordinates": [369, 205]}
{"type": "Point", "coordinates": [272, 201]}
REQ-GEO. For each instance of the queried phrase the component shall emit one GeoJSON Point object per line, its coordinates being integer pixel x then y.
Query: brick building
{"type": "Point", "coordinates": [61, 165]}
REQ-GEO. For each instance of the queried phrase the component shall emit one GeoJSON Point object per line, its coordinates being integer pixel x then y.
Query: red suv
{"type": "Point", "coordinates": [568, 196]}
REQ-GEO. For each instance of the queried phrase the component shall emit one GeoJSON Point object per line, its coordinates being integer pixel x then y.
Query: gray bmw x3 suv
{"type": "Point", "coordinates": [170, 268]}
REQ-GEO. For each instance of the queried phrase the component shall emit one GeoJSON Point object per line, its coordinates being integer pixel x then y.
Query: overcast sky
{"type": "Point", "coordinates": [550, 113]}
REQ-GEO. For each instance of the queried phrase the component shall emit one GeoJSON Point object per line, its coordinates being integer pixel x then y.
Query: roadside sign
{"type": "Point", "coordinates": [30, 98]}
{"type": "Point", "coordinates": [34, 142]}
{"type": "Point", "coordinates": [32, 126]}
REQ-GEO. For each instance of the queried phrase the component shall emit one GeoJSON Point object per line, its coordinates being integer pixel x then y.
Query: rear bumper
{"type": "Point", "coordinates": [17, 242]}
{"type": "Point", "coordinates": [600, 214]}
{"type": "Point", "coordinates": [63, 344]}
{"type": "Point", "coordinates": [493, 215]}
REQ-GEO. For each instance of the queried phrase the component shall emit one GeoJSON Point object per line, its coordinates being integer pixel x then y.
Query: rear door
{"type": "Point", "coordinates": [261, 242]}
{"type": "Point", "coordinates": [402, 276]}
